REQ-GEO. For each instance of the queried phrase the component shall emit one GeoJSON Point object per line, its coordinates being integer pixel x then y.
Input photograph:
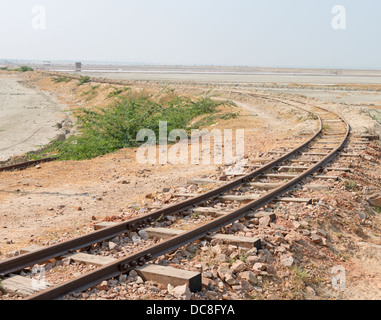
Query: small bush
{"type": "Point", "coordinates": [62, 79]}
{"type": "Point", "coordinates": [83, 79]}
{"type": "Point", "coordinates": [117, 92]}
{"type": "Point", "coordinates": [105, 130]}
{"type": "Point", "coordinates": [350, 185]}
{"type": "Point", "coordinates": [23, 69]}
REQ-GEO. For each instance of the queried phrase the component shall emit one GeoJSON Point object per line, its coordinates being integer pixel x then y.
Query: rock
{"type": "Point", "coordinates": [122, 278]}
{"type": "Point", "coordinates": [133, 274]}
{"type": "Point", "coordinates": [316, 239]}
{"type": "Point", "coordinates": [207, 283]}
{"type": "Point", "coordinates": [217, 249]}
{"type": "Point", "coordinates": [238, 289]}
{"type": "Point", "coordinates": [112, 245]}
{"type": "Point", "coordinates": [103, 286]}
{"type": "Point", "coordinates": [259, 267]}
{"type": "Point", "coordinates": [249, 276]}
{"type": "Point", "coordinates": [375, 199]}
{"type": "Point", "coordinates": [246, 286]}
{"type": "Point", "coordinates": [165, 190]}
{"type": "Point", "coordinates": [293, 236]}
{"type": "Point", "coordinates": [167, 198]}
{"type": "Point", "coordinates": [230, 280]}
{"type": "Point", "coordinates": [224, 270]}
{"type": "Point", "coordinates": [139, 280]}
{"type": "Point", "coordinates": [238, 266]}
{"type": "Point", "coordinates": [251, 260]}
{"type": "Point", "coordinates": [310, 291]}
{"type": "Point", "coordinates": [287, 260]}
{"type": "Point", "coordinates": [143, 234]}
{"type": "Point", "coordinates": [221, 258]}
{"type": "Point", "coordinates": [136, 239]}
{"type": "Point", "coordinates": [264, 221]}
{"type": "Point", "coordinates": [180, 292]}
{"type": "Point", "coordinates": [252, 252]}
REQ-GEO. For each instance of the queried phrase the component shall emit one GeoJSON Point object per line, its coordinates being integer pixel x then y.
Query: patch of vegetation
{"type": "Point", "coordinates": [325, 127]}
{"type": "Point", "coordinates": [91, 94]}
{"type": "Point", "coordinates": [300, 278]}
{"type": "Point", "coordinates": [212, 119]}
{"type": "Point", "coordinates": [377, 209]}
{"type": "Point", "coordinates": [23, 69]}
{"type": "Point", "coordinates": [350, 185]}
{"type": "Point", "coordinates": [4, 68]}
{"type": "Point", "coordinates": [106, 130]}
{"type": "Point", "coordinates": [309, 116]}
{"type": "Point", "coordinates": [62, 79]}
{"type": "Point", "coordinates": [83, 79]}
{"type": "Point", "coordinates": [376, 115]}
{"type": "Point", "coordinates": [117, 92]}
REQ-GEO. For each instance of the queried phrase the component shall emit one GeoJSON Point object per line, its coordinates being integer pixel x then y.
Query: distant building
{"type": "Point", "coordinates": [46, 63]}
{"type": "Point", "coordinates": [78, 66]}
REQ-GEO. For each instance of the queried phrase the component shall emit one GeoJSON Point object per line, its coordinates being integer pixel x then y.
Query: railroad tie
{"type": "Point", "coordinates": [23, 286]}
{"type": "Point", "coordinates": [291, 176]}
{"type": "Point", "coordinates": [246, 242]}
{"type": "Point", "coordinates": [246, 197]}
{"type": "Point", "coordinates": [169, 275]}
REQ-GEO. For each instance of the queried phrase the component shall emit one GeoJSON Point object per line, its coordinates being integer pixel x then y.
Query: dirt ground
{"type": "Point", "coordinates": [28, 118]}
{"type": "Point", "coordinates": [59, 200]}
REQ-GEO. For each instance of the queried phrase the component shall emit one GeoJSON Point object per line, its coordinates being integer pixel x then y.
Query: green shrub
{"type": "Point", "coordinates": [62, 79]}
{"type": "Point", "coordinates": [23, 69]}
{"type": "Point", "coordinates": [350, 185]}
{"type": "Point", "coordinates": [83, 79]}
{"type": "Point", "coordinates": [105, 130]}
{"type": "Point", "coordinates": [117, 92]}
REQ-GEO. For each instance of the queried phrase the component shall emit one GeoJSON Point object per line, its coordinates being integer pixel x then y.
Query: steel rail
{"type": "Point", "coordinates": [126, 264]}
{"type": "Point", "coordinates": [27, 164]}
{"type": "Point", "coordinates": [18, 263]}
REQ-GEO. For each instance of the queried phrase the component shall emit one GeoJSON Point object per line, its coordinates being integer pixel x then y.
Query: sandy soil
{"type": "Point", "coordinates": [28, 118]}
{"type": "Point", "coordinates": [236, 78]}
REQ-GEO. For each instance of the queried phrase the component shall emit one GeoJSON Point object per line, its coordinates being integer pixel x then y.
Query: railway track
{"type": "Point", "coordinates": [27, 164]}
{"type": "Point", "coordinates": [329, 140]}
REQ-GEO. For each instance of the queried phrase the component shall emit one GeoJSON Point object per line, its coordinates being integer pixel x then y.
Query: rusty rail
{"type": "Point", "coordinates": [27, 164]}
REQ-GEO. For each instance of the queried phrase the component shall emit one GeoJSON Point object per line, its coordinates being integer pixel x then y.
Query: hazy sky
{"type": "Point", "coordinates": [288, 33]}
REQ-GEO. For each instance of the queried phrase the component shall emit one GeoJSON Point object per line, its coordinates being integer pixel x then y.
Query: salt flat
{"type": "Point", "coordinates": [28, 117]}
